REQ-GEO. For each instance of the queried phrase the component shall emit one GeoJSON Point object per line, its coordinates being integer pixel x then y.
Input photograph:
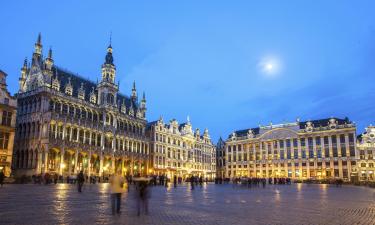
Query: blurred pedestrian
{"type": "Point", "coordinates": [2, 177]}
{"type": "Point", "coordinates": [116, 183]}
{"type": "Point", "coordinates": [175, 181]}
{"type": "Point", "coordinates": [192, 181]}
{"type": "Point", "coordinates": [55, 178]}
{"type": "Point", "coordinates": [201, 181]}
{"type": "Point", "coordinates": [80, 181]}
{"type": "Point", "coordinates": [143, 195]}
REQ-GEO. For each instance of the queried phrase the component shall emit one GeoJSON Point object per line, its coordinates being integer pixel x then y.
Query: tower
{"type": "Point", "coordinates": [37, 55]}
{"type": "Point", "coordinates": [22, 79]}
{"type": "Point", "coordinates": [143, 105]}
{"type": "Point", "coordinates": [134, 92]}
{"type": "Point", "coordinates": [107, 88]}
{"type": "Point", "coordinates": [108, 68]}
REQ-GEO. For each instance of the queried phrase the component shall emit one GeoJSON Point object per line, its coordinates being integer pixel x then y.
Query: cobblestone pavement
{"type": "Point", "coordinates": [211, 204]}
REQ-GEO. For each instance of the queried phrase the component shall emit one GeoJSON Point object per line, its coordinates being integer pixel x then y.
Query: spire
{"type": "Point", "coordinates": [50, 53]}
{"type": "Point", "coordinates": [134, 91]}
{"type": "Point", "coordinates": [25, 63]}
{"type": "Point", "coordinates": [144, 97]}
{"type": "Point", "coordinates": [109, 57]}
{"type": "Point", "coordinates": [110, 40]}
{"type": "Point", "coordinates": [39, 41]}
{"type": "Point", "coordinates": [38, 45]}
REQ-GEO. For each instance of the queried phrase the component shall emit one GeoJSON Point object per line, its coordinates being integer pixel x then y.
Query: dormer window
{"type": "Point", "coordinates": [69, 88]}
{"type": "Point", "coordinates": [92, 96]}
{"type": "Point", "coordinates": [56, 84]}
{"type": "Point", "coordinates": [81, 92]}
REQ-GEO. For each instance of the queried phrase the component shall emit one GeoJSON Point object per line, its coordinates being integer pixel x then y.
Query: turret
{"type": "Point", "coordinates": [134, 92]}
{"type": "Point", "coordinates": [143, 101]}
{"type": "Point", "coordinates": [37, 55]}
{"type": "Point", "coordinates": [22, 79]}
{"type": "Point", "coordinates": [49, 61]}
{"type": "Point", "coordinates": [108, 68]}
{"type": "Point", "coordinates": [38, 45]}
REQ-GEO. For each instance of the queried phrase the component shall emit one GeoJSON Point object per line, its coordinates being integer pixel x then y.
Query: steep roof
{"type": "Point", "coordinates": [323, 122]}
{"type": "Point", "coordinates": [76, 80]}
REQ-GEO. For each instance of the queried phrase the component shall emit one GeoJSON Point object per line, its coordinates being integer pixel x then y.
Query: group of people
{"type": "Point", "coordinates": [142, 192]}
{"type": "Point", "coordinates": [255, 181]}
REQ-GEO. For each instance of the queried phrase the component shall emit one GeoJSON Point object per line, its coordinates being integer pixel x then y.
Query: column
{"type": "Point", "coordinates": [113, 162]}
{"type": "Point", "coordinates": [39, 162]}
{"type": "Point", "coordinates": [101, 164]}
{"type": "Point", "coordinates": [76, 162]}
{"type": "Point", "coordinates": [89, 163]}
{"type": "Point", "coordinates": [226, 159]}
{"type": "Point", "coordinates": [131, 166]}
{"type": "Point", "coordinates": [62, 164]}
{"type": "Point", "coordinates": [45, 169]}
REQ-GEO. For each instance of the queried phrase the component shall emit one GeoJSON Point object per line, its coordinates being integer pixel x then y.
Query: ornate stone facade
{"type": "Point", "coordinates": [8, 106]}
{"type": "Point", "coordinates": [366, 149]}
{"type": "Point", "coordinates": [67, 123]}
{"type": "Point", "coordinates": [220, 158]}
{"type": "Point", "coordinates": [316, 149]}
{"type": "Point", "coordinates": [176, 150]}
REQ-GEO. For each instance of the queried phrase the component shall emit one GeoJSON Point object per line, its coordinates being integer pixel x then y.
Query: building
{"type": "Point", "coordinates": [316, 149]}
{"type": "Point", "coordinates": [67, 123]}
{"type": "Point", "coordinates": [366, 149]}
{"type": "Point", "coordinates": [8, 106]}
{"type": "Point", "coordinates": [220, 158]}
{"type": "Point", "coordinates": [176, 150]}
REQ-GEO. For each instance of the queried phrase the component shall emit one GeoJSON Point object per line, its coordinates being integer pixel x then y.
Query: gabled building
{"type": "Point", "coordinates": [8, 107]}
{"type": "Point", "coordinates": [177, 150]}
{"type": "Point", "coordinates": [366, 150]}
{"type": "Point", "coordinates": [316, 149]}
{"type": "Point", "coordinates": [67, 123]}
{"type": "Point", "coordinates": [220, 158]}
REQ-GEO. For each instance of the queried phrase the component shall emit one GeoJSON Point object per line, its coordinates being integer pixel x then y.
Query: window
{"type": "Point", "coordinates": [4, 138]}
{"type": "Point", "coordinates": [334, 146]}
{"type": "Point", "coordinates": [7, 118]}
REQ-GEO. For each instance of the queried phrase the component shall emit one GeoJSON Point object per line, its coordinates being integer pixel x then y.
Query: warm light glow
{"type": "Point", "coordinates": [269, 66]}
{"type": "Point", "coordinates": [63, 165]}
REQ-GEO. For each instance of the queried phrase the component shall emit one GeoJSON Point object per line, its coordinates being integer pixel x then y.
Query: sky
{"type": "Point", "coordinates": [228, 65]}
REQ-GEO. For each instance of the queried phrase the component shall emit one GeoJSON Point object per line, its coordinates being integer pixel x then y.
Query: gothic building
{"type": "Point", "coordinates": [366, 149]}
{"type": "Point", "coordinates": [177, 150]}
{"type": "Point", "coordinates": [317, 149]}
{"type": "Point", "coordinates": [66, 123]}
{"type": "Point", "coordinates": [8, 106]}
{"type": "Point", "coordinates": [220, 158]}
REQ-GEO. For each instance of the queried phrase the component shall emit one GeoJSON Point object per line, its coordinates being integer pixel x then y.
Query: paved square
{"type": "Point", "coordinates": [211, 204]}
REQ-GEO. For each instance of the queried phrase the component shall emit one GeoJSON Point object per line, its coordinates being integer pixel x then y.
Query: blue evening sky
{"type": "Point", "coordinates": [227, 64]}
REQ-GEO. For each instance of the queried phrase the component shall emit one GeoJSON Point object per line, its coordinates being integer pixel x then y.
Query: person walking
{"type": "Point", "coordinates": [55, 178]}
{"type": "Point", "coordinates": [192, 182]}
{"type": "Point", "coordinates": [175, 181]}
{"type": "Point", "coordinates": [143, 196]}
{"type": "Point", "coordinates": [80, 181]}
{"type": "Point", "coordinates": [2, 177]}
{"type": "Point", "coordinates": [200, 181]}
{"type": "Point", "coordinates": [116, 183]}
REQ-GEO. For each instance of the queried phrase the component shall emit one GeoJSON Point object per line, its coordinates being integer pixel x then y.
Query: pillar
{"type": "Point", "coordinates": [101, 164]}
{"type": "Point", "coordinates": [113, 162]}
{"type": "Point", "coordinates": [89, 164]}
{"type": "Point", "coordinates": [45, 169]}
{"type": "Point", "coordinates": [76, 162]}
{"type": "Point", "coordinates": [62, 161]}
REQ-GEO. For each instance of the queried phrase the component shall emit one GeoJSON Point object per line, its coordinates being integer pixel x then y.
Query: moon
{"type": "Point", "coordinates": [269, 67]}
